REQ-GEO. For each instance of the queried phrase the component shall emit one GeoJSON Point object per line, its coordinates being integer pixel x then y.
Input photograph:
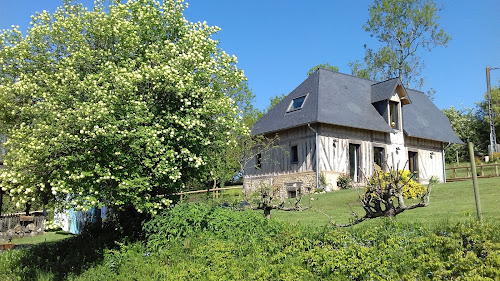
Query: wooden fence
{"type": "Point", "coordinates": [215, 191]}
{"type": "Point", "coordinates": [9, 221]}
{"type": "Point", "coordinates": [461, 173]}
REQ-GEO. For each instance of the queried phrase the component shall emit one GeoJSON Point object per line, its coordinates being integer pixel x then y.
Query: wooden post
{"type": "Point", "coordinates": [1, 200]}
{"type": "Point", "coordinates": [468, 170]}
{"type": "Point", "coordinates": [454, 172]}
{"type": "Point", "coordinates": [458, 163]}
{"type": "Point", "coordinates": [496, 168]}
{"type": "Point", "coordinates": [482, 170]}
{"type": "Point", "coordinates": [474, 182]}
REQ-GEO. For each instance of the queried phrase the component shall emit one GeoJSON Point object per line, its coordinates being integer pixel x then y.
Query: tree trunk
{"type": "Point", "coordinates": [1, 201]}
{"type": "Point", "coordinates": [28, 207]}
{"type": "Point", "coordinates": [98, 218]}
{"type": "Point", "coordinates": [267, 212]}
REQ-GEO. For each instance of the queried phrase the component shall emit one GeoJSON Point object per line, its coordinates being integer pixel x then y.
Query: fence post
{"type": "Point", "coordinates": [496, 168]}
{"type": "Point", "coordinates": [482, 170]}
{"type": "Point", "coordinates": [474, 182]}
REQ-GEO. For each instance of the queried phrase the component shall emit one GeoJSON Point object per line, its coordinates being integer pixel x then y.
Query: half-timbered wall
{"type": "Point", "coordinates": [278, 161]}
{"type": "Point", "coordinates": [334, 147]}
{"type": "Point", "coordinates": [429, 157]}
{"type": "Point", "coordinates": [334, 150]}
{"type": "Point", "coordinates": [277, 168]}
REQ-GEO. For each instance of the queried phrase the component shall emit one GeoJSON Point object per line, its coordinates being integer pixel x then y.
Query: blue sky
{"type": "Point", "coordinates": [277, 42]}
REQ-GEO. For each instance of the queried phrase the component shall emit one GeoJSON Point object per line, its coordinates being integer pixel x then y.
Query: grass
{"type": "Point", "coordinates": [46, 237]}
{"type": "Point", "coordinates": [450, 203]}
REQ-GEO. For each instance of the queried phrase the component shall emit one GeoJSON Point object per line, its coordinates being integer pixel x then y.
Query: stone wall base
{"type": "Point", "coordinates": [287, 183]}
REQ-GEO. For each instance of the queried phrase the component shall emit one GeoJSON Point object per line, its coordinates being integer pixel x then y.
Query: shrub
{"type": "Point", "coordinates": [344, 181]}
{"type": "Point", "coordinates": [411, 189]}
{"type": "Point", "coordinates": [322, 179]}
{"type": "Point", "coordinates": [234, 245]}
{"type": "Point", "coordinates": [192, 219]}
{"type": "Point", "coordinates": [495, 156]}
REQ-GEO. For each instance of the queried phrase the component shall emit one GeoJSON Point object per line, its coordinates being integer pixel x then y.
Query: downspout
{"type": "Point", "coordinates": [316, 154]}
{"type": "Point", "coordinates": [444, 162]}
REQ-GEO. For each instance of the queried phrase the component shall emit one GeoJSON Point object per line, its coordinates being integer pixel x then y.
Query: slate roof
{"type": "Point", "coordinates": [422, 119]}
{"type": "Point", "coordinates": [340, 99]}
{"type": "Point", "coordinates": [385, 89]}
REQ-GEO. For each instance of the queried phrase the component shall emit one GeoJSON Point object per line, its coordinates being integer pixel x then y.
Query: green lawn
{"type": "Point", "coordinates": [46, 237]}
{"type": "Point", "coordinates": [450, 202]}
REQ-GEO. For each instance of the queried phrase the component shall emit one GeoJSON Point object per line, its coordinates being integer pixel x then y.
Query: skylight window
{"type": "Point", "coordinates": [297, 103]}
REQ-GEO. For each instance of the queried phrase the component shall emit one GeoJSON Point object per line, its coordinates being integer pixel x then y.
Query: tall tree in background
{"type": "Point", "coordinates": [404, 28]}
{"type": "Point", "coordinates": [114, 105]}
{"type": "Point", "coordinates": [469, 125]}
{"type": "Point", "coordinates": [273, 101]}
{"type": "Point", "coordinates": [323, 65]}
{"type": "Point", "coordinates": [495, 102]}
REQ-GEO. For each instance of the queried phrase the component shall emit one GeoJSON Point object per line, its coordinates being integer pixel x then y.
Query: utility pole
{"type": "Point", "coordinates": [493, 137]}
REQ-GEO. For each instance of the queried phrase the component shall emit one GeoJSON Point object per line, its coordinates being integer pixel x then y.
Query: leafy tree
{"type": "Point", "coordinates": [468, 126]}
{"type": "Point", "coordinates": [483, 108]}
{"type": "Point", "coordinates": [274, 101]}
{"type": "Point", "coordinates": [114, 106]}
{"type": "Point", "coordinates": [323, 65]}
{"type": "Point", "coordinates": [403, 27]}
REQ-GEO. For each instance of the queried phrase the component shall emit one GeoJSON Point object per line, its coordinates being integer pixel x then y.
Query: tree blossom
{"type": "Point", "coordinates": [113, 106]}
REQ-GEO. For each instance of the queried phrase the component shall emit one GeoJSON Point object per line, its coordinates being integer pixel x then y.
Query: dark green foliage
{"type": "Point", "coordinates": [344, 181]}
{"type": "Point", "coordinates": [469, 125]}
{"type": "Point", "coordinates": [387, 251]}
{"type": "Point", "coordinates": [188, 220]}
{"type": "Point", "coordinates": [214, 243]}
{"type": "Point", "coordinates": [74, 255]}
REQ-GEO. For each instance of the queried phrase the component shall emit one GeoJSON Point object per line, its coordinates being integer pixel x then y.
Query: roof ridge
{"type": "Point", "coordinates": [345, 74]}
{"type": "Point", "coordinates": [418, 91]}
{"type": "Point", "coordinates": [385, 81]}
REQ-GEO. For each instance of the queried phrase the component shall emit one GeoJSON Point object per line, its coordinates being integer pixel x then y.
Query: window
{"type": "Point", "coordinates": [378, 157]}
{"type": "Point", "coordinates": [297, 103]}
{"type": "Point", "coordinates": [258, 161]}
{"type": "Point", "coordinates": [354, 162]}
{"type": "Point", "coordinates": [393, 115]}
{"type": "Point", "coordinates": [294, 155]}
{"type": "Point", "coordinates": [293, 189]}
{"type": "Point", "coordinates": [413, 163]}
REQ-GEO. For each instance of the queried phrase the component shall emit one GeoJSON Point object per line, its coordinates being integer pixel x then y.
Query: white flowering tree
{"type": "Point", "coordinates": [114, 105]}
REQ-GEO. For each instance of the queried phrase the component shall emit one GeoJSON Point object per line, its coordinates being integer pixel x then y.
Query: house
{"type": "Point", "coordinates": [334, 124]}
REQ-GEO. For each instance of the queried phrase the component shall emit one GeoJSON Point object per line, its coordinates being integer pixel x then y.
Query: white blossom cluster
{"type": "Point", "coordinates": [114, 106]}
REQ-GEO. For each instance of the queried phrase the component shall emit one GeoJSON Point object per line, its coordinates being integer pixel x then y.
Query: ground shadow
{"type": "Point", "coordinates": [73, 255]}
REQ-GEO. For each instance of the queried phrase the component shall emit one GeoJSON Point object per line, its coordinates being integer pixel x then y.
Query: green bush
{"type": "Point", "coordinates": [344, 181]}
{"type": "Point", "coordinates": [191, 219]}
{"type": "Point", "coordinates": [204, 242]}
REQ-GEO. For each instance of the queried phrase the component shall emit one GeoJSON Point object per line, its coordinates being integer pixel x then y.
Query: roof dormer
{"type": "Point", "coordinates": [388, 97]}
{"type": "Point", "coordinates": [387, 89]}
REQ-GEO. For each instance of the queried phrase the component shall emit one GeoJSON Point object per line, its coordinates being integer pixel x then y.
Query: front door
{"type": "Point", "coordinates": [412, 163]}
{"type": "Point", "coordinates": [354, 162]}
